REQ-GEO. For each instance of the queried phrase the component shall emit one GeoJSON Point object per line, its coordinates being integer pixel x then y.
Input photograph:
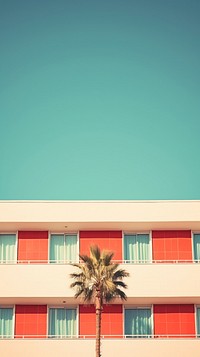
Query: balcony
{"type": "Point", "coordinates": [148, 283]}
{"type": "Point", "coordinates": [183, 347]}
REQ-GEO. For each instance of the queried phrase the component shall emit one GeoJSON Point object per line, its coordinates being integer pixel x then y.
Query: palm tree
{"type": "Point", "coordinates": [98, 281]}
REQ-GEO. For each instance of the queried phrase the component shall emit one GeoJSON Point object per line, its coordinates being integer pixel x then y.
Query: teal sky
{"type": "Point", "coordinates": [99, 99]}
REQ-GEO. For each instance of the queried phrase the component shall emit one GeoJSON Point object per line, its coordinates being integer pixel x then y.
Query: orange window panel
{"type": "Point", "coordinates": [108, 240]}
{"type": "Point", "coordinates": [111, 323]}
{"type": "Point", "coordinates": [33, 246]}
{"type": "Point", "coordinates": [174, 319]}
{"type": "Point", "coordinates": [30, 320]}
{"type": "Point", "coordinates": [172, 245]}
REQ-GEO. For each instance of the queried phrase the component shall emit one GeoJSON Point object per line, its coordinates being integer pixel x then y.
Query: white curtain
{"type": "Point", "coordinates": [63, 248]}
{"type": "Point", "coordinates": [57, 248]}
{"type": "Point", "coordinates": [198, 322]}
{"type": "Point", "coordinates": [7, 248]}
{"type": "Point", "coordinates": [136, 247]}
{"type": "Point", "coordinates": [62, 322]}
{"type": "Point", "coordinates": [71, 248]}
{"type": "Point", "coordinates": [6, 322]}
{"type": "Point", "coordinates": [138, 322]}
{"type": "Point", "coordinates": [196, 244]}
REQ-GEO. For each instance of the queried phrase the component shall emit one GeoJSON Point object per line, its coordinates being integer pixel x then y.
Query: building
{"type": "Point", "coordinates": [158, 242]}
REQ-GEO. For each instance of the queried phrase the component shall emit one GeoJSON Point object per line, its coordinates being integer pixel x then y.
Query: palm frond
{"type": "Point", "coordinates": [76, 265]}
{"type": "Point", "coordinates": [121, 294]}
{"type": "Point", "coordinates": [76, 283]}
{"type": "Point", "coordinates": [120, 274]}
{"type": "Point", "coordinates": [88, 295]}
{"type": "Point", "coordinates": [109, 286]}
{"type": "Point", "coordinates": [108, 297]}
{"type": "Point", "coordinates": [78, 293]}
{"type": "Point", "coordinates": [87, 260]}
{"type": "Point", "coordinates": [76, 275]}
{"type": "Point", "coordinates": [95, 253]}
{"type": "Point", "coordinates": [106, 257]}
{"type": "Point", "coordinates": [112, 267]}
{"type": "Point", "coordinates": [97, 272]}
{"type": "Point", "coordinates": [120, 283]}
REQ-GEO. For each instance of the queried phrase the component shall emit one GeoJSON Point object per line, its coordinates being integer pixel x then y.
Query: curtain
{"type": "Point", "coordinates": [62, 322]}
{"type": "Point", "coordinates": [198, 322]}
{"type": "Point", "coordinates": [63, 248]}
{"type": "Point", "coordinates": [57, 248]}
{"type": "Point", "coordinates": [196, 244]}
{"type": "Point", "coordinates": [71, 248]}
{"type": "Point", "coordinates": [7, 247]}
{"type": "Point", "coordinates": [138, 322]}
{"type": "Point", "coordinates": [6, 322]}
{"type": "Point", "coordinates": [136, 247]}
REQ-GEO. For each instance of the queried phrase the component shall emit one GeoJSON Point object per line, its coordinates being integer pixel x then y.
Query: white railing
{"type": "Point", "coordinates": [82, 337]}
{"type": "Point", "coordinates": [129, 262]}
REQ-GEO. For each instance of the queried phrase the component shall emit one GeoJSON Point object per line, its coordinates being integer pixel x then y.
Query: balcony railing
{"type": "Point", "coordinates": [155, 336]}
{"type": "Point", "coordinates": [64, 262]}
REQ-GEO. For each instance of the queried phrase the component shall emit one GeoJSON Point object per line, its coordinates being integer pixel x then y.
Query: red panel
{"type": "Point", "coordinates": [173, 328]}
{"type": "Point", "coordinates": [174, 320]}
{"type": "Point", "coordinates": [158, 234]}
{"type": "Point", "coordinates": [108, 240]}
{"type": "Point", "coordinates": [100, 234]}
{"type": "Point", "coordinates": [111, 323]}
{"type": "Point", "coordinates": [33, 246]}
{"type": "Point", "coordinates": [184, 234]}
{"type": "Point", "coordinates": [30, 320]}
{"type": "Point", "coordinates": [86, 320]}
{"type": "Point", "coordinates": [184, 244]}
{"type": "Point", "coordinates": [172, 245]}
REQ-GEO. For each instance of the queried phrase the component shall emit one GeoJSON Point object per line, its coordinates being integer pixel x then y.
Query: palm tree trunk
{"type": "Point", "coordinates": [98, 304]}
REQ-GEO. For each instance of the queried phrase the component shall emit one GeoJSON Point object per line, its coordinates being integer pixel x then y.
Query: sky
{"type": "Point", "coordinates": [99, 100]}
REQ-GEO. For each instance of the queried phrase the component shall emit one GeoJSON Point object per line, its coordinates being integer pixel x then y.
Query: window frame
{"type": "Point", "coordinates": [193, 234]}
{"type": "Point", "coordinates": [13, 320]}
{"type": "Point", "coordinates": [66, 307]}
{"type": "Point", "coordinates": [124, 233]}
{"type": "Point", "coordinates": [50, 233]}
{"type": "Point", "coordinates": [15, 260]}
{"type": "Point", "coordinates": [197, 307]}
{"type": "Point", "coordinates": [138, 307]}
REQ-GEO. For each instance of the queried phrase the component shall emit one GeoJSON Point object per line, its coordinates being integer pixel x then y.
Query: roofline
{"type": "Point", "coordinates": [99, 201]}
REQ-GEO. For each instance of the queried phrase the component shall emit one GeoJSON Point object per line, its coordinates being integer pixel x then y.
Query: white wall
{"type": "Point", "coordinates": [47, 283]}
{"type": "Point", "coordinates": [117, 348]}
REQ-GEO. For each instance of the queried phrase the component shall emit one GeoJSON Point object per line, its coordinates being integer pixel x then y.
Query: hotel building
{"type": "Point", "coordinates": [157, 242]}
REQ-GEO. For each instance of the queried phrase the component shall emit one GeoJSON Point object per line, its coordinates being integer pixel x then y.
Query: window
{"type": "Point", "coordinates": [7, 248]}
{"type": "Point", "coordinates": [63, 248]}
{"type": "Point", "coordinates": [198, 321]}
{"type": "Point", "coordinates": [62, 322]}
{"type": "Point", "coordinates": [6, 322]}
{"type": "Point", "coordinates": [196, 246]}
{"type": "Point", "coordinates": [138, 322]}
{"type": "Point", "coordinates": [136, 248]}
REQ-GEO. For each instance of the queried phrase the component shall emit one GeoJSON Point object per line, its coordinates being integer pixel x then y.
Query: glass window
{"type": "Point", "coordinates": [63, 248]}
{"type": "Point", "coordinates": [7, 248]}
{"type": "Point", "coordinates": [198, 321]}
{"type": "Point", "coordinates": [138, 322]}
{"type": "Point", "coordinates": [6, 322]}
{"type": "Point", "coordinates": [62, 322]}
{"type": "Point", "coordinates": [136, 248]}
{"type": "Point", "coordinates": [196, 246]}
